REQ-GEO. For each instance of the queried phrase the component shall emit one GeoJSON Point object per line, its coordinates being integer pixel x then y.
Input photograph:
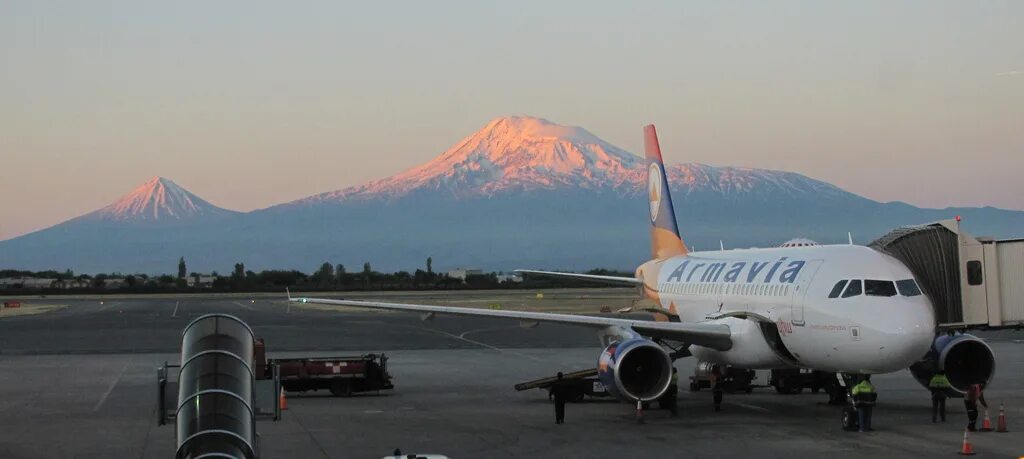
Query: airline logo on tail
{"type": "Point", "coordinates": [654, 190]}
{"type": "Point", "coordinates": [665, 240]}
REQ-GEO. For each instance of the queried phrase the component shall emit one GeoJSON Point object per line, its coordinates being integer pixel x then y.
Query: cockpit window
{"type": "Point", "coordinates": [853, 289]}
{"type": "Point", "coordinates": [908, 287]}
{"type": "Point", "coordinates": [873, 287]}
{"type": "Point", "coordinates": [837, 289]}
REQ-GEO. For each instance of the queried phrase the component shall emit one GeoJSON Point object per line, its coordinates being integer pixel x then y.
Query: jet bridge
{"type": "Point", "coordinates": [972, 282]}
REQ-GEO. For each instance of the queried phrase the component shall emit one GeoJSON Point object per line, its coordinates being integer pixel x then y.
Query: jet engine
{"type": "Point", "coordinates": [635, 369]}
{"type": "Point", "coordinates": [966, 359]}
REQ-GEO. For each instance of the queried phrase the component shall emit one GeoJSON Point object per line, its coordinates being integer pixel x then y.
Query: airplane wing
{"type": "Point", "coordinates": [589, 277]}
{"type": "Point", "coordinates": [715, 336]}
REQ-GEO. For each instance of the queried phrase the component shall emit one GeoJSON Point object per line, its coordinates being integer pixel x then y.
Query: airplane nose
{"type": "Point", "coordinates": [910, 335]}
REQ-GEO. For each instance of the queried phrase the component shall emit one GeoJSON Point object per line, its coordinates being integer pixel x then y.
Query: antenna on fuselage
{"type": "Point", "coordinates": [849, 237]}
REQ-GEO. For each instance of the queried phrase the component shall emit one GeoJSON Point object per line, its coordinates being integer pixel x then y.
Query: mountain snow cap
{"type": "Point", "coordinates": [525, 153]}
{"type": "Point", "coordinates": [157, 199]}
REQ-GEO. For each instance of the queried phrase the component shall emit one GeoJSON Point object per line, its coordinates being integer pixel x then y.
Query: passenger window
{"type": "Point", "coordinates": [853, 289]}
{"type": "Point", "coordinates": [908, 287]}
{"type": "Point", "coordinates": [974, 272]}
{"type": "Point", "coordinates": [837, 289]}
{"type": "Point", "coordinates": [874, 287]}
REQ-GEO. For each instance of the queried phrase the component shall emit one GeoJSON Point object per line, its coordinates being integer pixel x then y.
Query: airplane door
{"type": "Point", "coordinates": [798, 295]}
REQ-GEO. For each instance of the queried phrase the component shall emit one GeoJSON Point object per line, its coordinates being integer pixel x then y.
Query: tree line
{"type": "Point", "coordinates": [328, 277]}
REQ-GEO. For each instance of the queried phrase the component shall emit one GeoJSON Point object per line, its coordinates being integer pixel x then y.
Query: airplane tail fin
{"type": "Point", "coordinates": [665, 240]}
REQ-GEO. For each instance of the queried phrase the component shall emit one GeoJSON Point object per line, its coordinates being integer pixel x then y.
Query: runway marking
{"type": "Point", "coordinates": [244, 306]}
{"type": "Point", "coordinates": [478, 330]}
{"type": "Point", "coordinates": [752, 407]}
{"type": "Point", "coordinates": [312, 438]}
{"type": "Point", "coordinates": [110, 389]}
{"type": "Point", "coordinates": [175, 313]}
{"type": "Point", "coordinates": [478, 343]}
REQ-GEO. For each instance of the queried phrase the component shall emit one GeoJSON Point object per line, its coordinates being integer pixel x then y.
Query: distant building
{"type": "Point", "coordinates": [26, 282]}
{"type": "Point", "coordinates": [201, 281]}
{"type": "Point", "coordinates": [71, 283]}
{"type": "Point", "coordinates": [509, 278]}
{"type": "Point", "coordinates": [462, 273]}
{"type": "Point", "coordinates": [114, 282]}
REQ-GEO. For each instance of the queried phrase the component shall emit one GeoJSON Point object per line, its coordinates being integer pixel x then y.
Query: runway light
{"type": "Point", "coordinates": [303, 300]}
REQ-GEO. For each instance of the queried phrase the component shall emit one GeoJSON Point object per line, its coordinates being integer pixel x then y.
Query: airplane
{"type": "Point", "coordinates": [844, 309]}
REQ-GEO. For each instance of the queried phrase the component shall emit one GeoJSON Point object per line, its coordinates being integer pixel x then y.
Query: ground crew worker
{"type": "Point", "coordinates": [864, 400]}
{"type": "Point", "coordinates": [717, 386]}
{"type": "Point", "coordinates": [672, 394]}
{"type": "Point", "coordinates": [938, 386]}
{"type": "Point", "coordinates": [558, 390]}
{"type": "Point", "coordinates": [971, 398]}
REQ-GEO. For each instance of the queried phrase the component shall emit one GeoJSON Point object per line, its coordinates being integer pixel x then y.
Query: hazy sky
{"type": "Point", "coordinates": [249, 104]}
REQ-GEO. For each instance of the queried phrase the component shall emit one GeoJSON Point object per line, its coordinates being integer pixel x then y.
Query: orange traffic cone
{"type": "Point", "coordinates": [966, 449]}
{"type": "Point", "coordinates": [282, 401]}
{"type": "Point", "coordinates": [986, 424]}
{"type": "Point", "coordinates": [1001, 421]}
{"type": "Point", "coordinates": [639, 412]}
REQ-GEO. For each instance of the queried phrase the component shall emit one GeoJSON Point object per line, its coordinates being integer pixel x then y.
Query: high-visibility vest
{"type": "Point", "coordinates": [939, 382]}
{"type": "Point", "coordinates": [864, 387]}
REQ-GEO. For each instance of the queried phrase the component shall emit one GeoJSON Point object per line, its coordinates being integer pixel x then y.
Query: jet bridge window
{"type": "Point", "coordinates": [853, 289]}
{"type": "Point", "coordinates": [873, 287]}
{"type": "Point", "coordinates": [908, 287]}
{"type": "Point", "coordinates": [974, 272]}
{"type": "Point", "coordinates": [837, 289]}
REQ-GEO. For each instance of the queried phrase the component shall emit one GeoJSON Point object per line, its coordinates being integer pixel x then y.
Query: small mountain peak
{"type": "Point", "coordinates": [158, 198]}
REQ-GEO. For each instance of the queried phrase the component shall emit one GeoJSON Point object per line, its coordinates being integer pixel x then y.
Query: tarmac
{"type": "Point", "coordinates": [80, 381]}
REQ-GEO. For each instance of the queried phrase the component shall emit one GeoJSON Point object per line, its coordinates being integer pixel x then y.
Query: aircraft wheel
{"type": "Point", "coordinates": [849, 419]}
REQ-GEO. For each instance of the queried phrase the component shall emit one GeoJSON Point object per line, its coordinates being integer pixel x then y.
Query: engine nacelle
{"type": "Point", "coordinates": [966, 359]}
{"type": "Point", "coordinates": [636, 369]}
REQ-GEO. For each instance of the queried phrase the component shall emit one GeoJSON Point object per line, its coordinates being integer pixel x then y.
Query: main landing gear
{"type": "Point", "coordinates": [791, 382]}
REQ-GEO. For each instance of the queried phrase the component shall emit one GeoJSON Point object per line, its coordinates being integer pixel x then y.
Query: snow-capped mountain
{"type": "Point", "coordinates": [521, 192]}
{"type": "Point", "coordinates": [522, 153]}
{"type": "Point", "coordinates": [156, 200]}
{"type": "Point", "coordinates": [511, 153]}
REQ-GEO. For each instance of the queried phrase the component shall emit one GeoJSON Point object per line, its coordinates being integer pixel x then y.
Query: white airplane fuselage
{"type": "Point", "coordinates": [789, 288]}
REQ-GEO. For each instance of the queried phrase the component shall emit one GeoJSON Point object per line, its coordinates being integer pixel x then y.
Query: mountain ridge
{"type": "Point", "coordinates": [523, 153]}
{"type": "Point", "coordinates": [521, 192]}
